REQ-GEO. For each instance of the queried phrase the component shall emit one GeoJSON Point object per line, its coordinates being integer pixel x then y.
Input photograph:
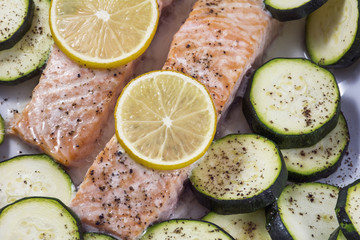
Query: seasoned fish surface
{"type": "Point", "coordinates": [217, 44]}
{"type": "Point", "coordinates": [122, 197]}
{"type": "Point", "coordinates": [71, 106]}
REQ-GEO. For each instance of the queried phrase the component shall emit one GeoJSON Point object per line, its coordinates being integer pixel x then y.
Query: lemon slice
{"type": "Point", "coordinates": [165, 119]}
{"type": "Point", "coordinates": [103, 34]}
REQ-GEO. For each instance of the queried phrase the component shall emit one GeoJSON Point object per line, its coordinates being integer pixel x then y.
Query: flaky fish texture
{"type": "Point", "coordinates": [217, 44]}
{"type": "Point", "coordinates": [121, 197]}
{"type": "Point", "coordinates": [71, 106]}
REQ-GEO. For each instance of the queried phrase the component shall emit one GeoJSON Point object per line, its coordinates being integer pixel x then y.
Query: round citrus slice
{"type": "Point", "coordinates": [165, 119]}
{"type": "Point", "coordinates": [103, 34]}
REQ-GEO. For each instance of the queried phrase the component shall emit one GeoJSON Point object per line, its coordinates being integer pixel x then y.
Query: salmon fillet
{"type": "Point", "coordinates": [217, 44]}
{"type": "Point", "coordinates": [70, 107]}
{"type": "Point", "coordinates": [122, 197]}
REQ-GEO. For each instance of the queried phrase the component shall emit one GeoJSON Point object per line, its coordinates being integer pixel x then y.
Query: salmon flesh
{"type": "Point", "coordinates": [217, 45]}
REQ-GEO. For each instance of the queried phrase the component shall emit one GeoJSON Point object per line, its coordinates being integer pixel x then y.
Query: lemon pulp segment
{"type": "Point", "coordinates": [165, 119]}
{"type": "Point", "coordinates": [102, 33]}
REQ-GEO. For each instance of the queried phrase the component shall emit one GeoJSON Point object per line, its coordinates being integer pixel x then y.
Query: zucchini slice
{"type": "Point", "coordinates": [15, 20]}
{"type": "Point", "coordinates": [320, 160]}
{"type": "Point", "coordinates": [97, 236]}
{"type": "Point", "coordinates": [285, 10]}
{"type": "Point", "coordinates": [333, 35]}
{"type": "Point", "coordinates": [250, 226]}
{"type": "Point", "coordinates": [185, 229]}
{"type": "Point", "coordinates": [293, 102]}
{"type": "Point", "coordinates": [25, 60]}
{"type": "Point", "coordinates": [34, 175]}
{"type": "Point", "coordinates": [337, 235]}
{"type": "Point", "coordinates": [303, 211]}
{"type": "Point", "coordinates": [347, 210]}
{"type": "Point", "coordinates": [39, 218]}
{"type": "Point", "coordinates": [239, 174]}
{"type": "Point", "coordinates": [2, 129]}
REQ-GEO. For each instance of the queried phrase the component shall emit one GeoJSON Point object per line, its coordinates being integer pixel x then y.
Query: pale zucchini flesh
{"type": "Point", "coordinates": [347, 210]}
{"type": "Point", "coordinates": [34, 175]}
{"type": "Point", "coordinates": [38, 218]}
{"type": "Point", "coordinates": [285, 10]}
{"type": "Point", "coordinates": [185, 229]}
{"type": "Point", "coordinates": [321, 159]}
{"type": "Point", "coordinates": [293, 102]}
{"type": "Point", "coordinates": [2, 129]}
{"type": "Point", "coordinates": [250, 226]}
{"type": "Point", "coordinates": [238, 174]}
{"type": "Point", "coordinates": [337, 235]}
{"type": "Point", "coordinates": [352, 206]}
{"type": "Point", "coordinates": [286, 4]}
{"type": "Point", "coordinates": [97, 236]}
{"type": "Point", "coordinates": [29, 55]}
{"type": "Point", "coordinates": [332, 33]}
{"type": "Point", "coordinates": [15, 20]}
{"type": "Point", "coordinates": [304, 211]}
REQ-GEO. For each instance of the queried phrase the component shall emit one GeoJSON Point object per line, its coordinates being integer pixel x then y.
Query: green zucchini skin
{"type": "Point", "coordinates": [37, 41]}
{"type": "Point", "coordinates": [20, 32]}
{"type": "Point", "coordinates": [330, 166]}
{"type": "Point", "coordinates": [350, 56]}
{"type": "Point", "coordinates": [293, 13]}
{"type": "Point", "coordinates": [184, 229]}
{"type": "Point", "coordinates": [76, 235]}
{"type": "Point", "coordinates": [337, 235]}
{"type": "Point", "coordinates": [2, 129]}
{"type": "Point", "coordinates": [274, 223]}
{"type": "Point", "coordinates": [279, 228]}
{"type": "Point", "coordinates": [97, 236]}
{"type": "Point", "coordinates": [289, 140]}
{"type": "Point", "coordinates": [34, 73]}
{"type": "Point", "coordinates": [299, 178]}
{"type": "Point", "coordinates": [242, 204]}
{"type": "Point", "coordinates": [241, 226]}
{"type": "Point", "coordinates": [346, 225]}
{"type": "Point", "coordinates": [20, 173]}
{"type": "Point", "coordinates": [245, 205]}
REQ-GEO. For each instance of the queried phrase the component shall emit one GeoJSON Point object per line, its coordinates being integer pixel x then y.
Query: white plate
{"type": "Point", "coordinates": [288, 44]}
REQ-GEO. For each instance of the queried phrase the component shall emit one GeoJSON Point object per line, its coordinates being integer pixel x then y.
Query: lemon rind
{"type": "Point", "coordinates": [101, 63]}
{"type": "Point", "coordinates": [163, 165]}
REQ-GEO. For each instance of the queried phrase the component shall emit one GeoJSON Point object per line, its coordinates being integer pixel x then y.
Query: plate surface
{"type": "Point", "coordinates": [288, 44]}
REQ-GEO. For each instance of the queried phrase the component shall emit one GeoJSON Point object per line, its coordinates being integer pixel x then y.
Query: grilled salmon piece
{"type": "Point", "coordinates": [217, 44]}
{"type": "Point", "coordinates": [71, 106]}
{"type": "Point", "coordinates": [122, 197]}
